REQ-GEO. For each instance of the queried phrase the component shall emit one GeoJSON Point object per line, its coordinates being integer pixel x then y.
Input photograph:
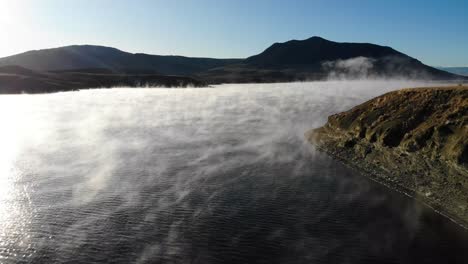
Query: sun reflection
{"type": "Point", "coordinates": [9, 140]}
{"type": "Point", "coordinates": [12, 207]}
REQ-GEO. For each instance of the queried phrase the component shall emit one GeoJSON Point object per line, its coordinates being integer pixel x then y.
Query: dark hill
{"type": "Point", "coordinates": [317, 49]}
{"type": "Point", "coordinates": [317, 59]}
{"type": "Point", "coordinates": [18, 70]}
{"type": "Point", "coordinates": [16, 79]}
{"type": "Point", "coordinates": [117, 61]}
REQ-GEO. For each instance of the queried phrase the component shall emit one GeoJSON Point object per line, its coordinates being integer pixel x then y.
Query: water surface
{"type": "Point", "coordinates": [216, 175]}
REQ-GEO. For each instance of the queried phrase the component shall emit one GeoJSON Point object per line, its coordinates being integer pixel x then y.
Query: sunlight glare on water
{"type": "Point", "coordinates": [12, 197]}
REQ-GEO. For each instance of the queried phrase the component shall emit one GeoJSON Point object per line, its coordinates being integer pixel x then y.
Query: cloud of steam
{"type": "Point", "coordinates": [354, 68]}
{"type": "Point", "coordinates": [387, 68]}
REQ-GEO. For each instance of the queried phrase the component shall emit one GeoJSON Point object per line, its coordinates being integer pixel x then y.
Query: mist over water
{"type": "Point", "coordinates": [212, 175]}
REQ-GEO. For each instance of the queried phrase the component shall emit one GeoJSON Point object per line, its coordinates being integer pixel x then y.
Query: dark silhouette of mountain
{"type": "Point", "coordinates": [114, 60]}
{"type": "Point", "coordinates": [86, 66]}
{"type": "Point", "coordinates": [18, 70]}
{"type": "Point", "coordinates": [317, 58]}
{"type": "Point", "coordinates": [317, 49]}
{"type": "Point", "coordinates": [16, 79]}
{"type": "Point", "coordinates": [455, 70]}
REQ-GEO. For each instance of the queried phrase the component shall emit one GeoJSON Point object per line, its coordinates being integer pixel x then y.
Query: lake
{"type": "Point", "coordinates": [201, 175]}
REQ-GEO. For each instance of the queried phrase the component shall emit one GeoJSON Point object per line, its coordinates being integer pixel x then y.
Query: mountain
{"type": "Point", "coordinates": [117, 61]}
{"type": "Point", "coordinates": [86, 66]}
{"type": "Point", "coordinates": [415, 140]}
{"type": "Point", "coordinates": [317, 59]}
{"type": "Point", "coordinates": [317, 49]}
{"type": "Point", "coordinates": [455, 70]}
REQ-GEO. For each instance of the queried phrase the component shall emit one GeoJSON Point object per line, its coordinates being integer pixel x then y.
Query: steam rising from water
{"type": "Point", "coordinates": [357, 68]}
{"type": "Point", "coordinates": [205, 175]}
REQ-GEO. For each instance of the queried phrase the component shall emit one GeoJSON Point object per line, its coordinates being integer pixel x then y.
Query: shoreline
{"type": "Point", "coordinates": [395, 187]}
{"type": "Point", "coordinates": [414, 140]}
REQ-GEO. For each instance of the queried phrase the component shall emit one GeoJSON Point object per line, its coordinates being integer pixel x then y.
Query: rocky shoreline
{"type": "Point", "coordinates": [414, 140]}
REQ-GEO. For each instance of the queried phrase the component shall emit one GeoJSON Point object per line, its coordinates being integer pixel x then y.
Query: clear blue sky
{"type": "Point", "coordinates": [435, 32]}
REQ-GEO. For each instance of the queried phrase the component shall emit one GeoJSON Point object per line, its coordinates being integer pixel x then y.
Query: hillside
{"type": "Point", "coordinates": [317, 59]}
{"type": "Point", "coordinates": [86, 66]}
{"type": "Point", "coordinates": [98, 57]}
{"type": "Point", "coordinates": [15, 79]}
{"type": "Point", "coordinates": [414, 139]}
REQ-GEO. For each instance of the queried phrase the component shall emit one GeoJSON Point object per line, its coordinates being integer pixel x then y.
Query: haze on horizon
{"type": "Point", "coordinates": [431, 31]}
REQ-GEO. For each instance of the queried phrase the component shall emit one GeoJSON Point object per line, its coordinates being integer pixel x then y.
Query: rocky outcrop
{"type": "Point", "coordinates": [413, 139]}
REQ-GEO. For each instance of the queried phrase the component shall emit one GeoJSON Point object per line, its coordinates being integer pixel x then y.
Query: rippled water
{"type": "Point", "coordinates": [217, 175]}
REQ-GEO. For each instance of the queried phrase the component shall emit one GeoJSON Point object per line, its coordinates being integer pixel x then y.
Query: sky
{"type": "Point", "coordinates": [435, 32]}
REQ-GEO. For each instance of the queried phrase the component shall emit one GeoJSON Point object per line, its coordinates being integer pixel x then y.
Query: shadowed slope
{"type": "Point", "coordinates": [15, 79]}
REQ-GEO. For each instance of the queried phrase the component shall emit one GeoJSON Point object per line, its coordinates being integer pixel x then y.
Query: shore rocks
{"type": "Point", "coordinates": [414, 139]}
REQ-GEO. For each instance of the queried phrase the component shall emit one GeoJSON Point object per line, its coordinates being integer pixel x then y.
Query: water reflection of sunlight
{"type": "Point", "coordinates": [9, 142]}
{"type": "Point", "coordinates": [12, 215]}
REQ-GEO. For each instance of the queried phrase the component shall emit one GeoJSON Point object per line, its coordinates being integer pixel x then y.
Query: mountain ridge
{"type": "Point", "coordinates": [311, 59]}
{"type": "Point", "coordinates": [315, 43]}
{"type": "Point", "coordinates": [95, 56]}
